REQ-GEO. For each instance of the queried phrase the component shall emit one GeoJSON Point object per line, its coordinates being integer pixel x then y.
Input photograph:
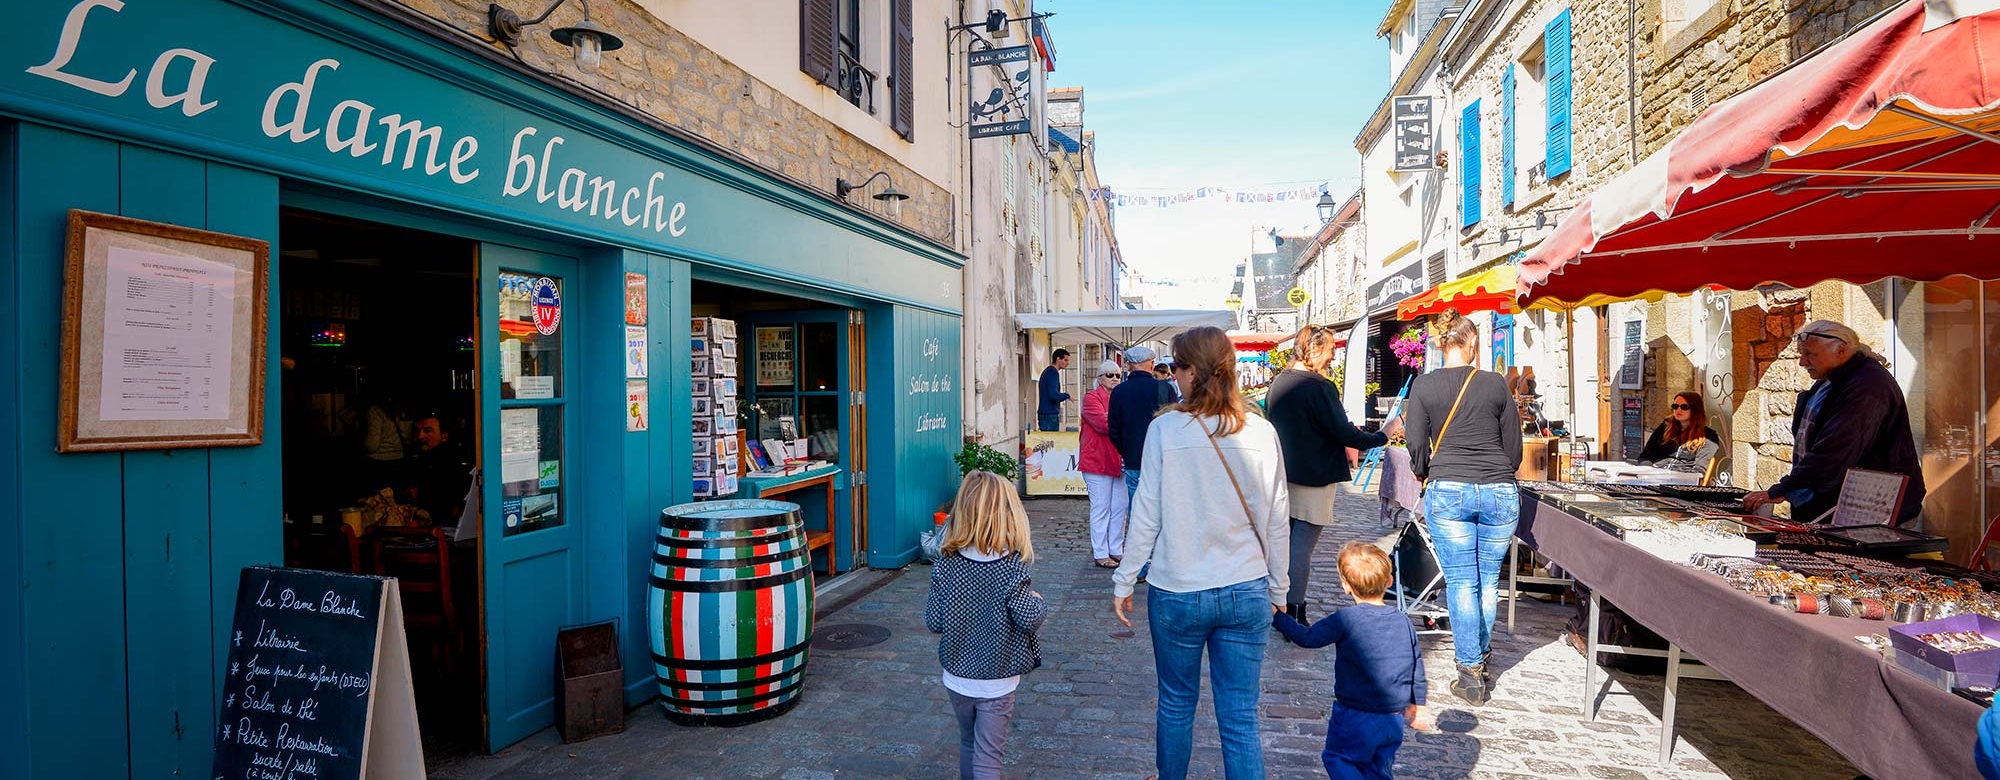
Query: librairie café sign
{"type": "Point", "coordinates": [337, 94]}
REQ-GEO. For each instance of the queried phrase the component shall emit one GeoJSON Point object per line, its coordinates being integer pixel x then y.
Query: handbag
{"type": "Point", "coordinates": [1435, 443]}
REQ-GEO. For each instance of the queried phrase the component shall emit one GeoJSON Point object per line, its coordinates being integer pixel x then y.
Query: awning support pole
{"type": "Point", "coordinates": [1948, 125]}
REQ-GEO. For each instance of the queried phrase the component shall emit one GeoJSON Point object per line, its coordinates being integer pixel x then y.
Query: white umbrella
{"type": "Point", "coordinates": [1122, 326]}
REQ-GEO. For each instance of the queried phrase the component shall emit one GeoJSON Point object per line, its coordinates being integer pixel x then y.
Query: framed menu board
{"type": "Point", "coordinates": [163, 336]}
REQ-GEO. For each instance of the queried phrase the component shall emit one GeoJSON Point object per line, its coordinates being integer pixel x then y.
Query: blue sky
{"type": "Point", "coordinates": [1185, 94]}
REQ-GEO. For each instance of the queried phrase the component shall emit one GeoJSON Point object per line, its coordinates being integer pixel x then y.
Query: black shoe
{"type": "Point", "coordinates": [1471, 684]}
{"type": "Point", "coordinates": [1298, 613]}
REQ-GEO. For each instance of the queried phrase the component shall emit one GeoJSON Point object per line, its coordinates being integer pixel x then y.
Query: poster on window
{"type": "Point", "coordinates": [774, 357]}
{"type": "Point", "coordinates": [1053, 464]}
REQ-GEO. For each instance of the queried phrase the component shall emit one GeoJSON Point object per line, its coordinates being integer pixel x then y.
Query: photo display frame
{"type": "Point", "coordinates": [163, 336]}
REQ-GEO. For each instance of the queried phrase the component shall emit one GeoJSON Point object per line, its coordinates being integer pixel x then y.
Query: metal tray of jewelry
{"type": "Point", "coordinates": [1886, 539]}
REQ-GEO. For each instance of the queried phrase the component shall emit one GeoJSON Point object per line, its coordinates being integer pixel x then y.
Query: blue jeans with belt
{"type": "Point", "coordinates": [1471, 526]}
{"type": "Point", "coordinates": [1231, 623]}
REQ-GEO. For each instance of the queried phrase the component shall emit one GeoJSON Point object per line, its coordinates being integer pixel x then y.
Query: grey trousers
{"type": "Point", "coordinates": [982, 731]}
{"type": "Point", "coordinates": [1305, 536]}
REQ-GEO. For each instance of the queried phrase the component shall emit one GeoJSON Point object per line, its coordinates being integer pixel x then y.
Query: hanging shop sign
{"type": "Point", "coordinates": [1413, 133]}
{"type": "Point", "coordinates": [1297, 296]}
{"type": "Point", "coordinates": [1393, 289]}
{"type": "Point", "coordinates": [999, 56]}
{"type": "Point", "coordinates": [1005, 108]}
{"type": "Point", "coordinates": [229, 81]}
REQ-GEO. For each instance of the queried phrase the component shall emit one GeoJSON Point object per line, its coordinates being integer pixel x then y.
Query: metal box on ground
{"type": "Point", "coordinates": [591, 695]}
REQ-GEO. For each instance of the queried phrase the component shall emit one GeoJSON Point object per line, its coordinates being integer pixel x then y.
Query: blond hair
{"type": "Point", "coordinates": [987, 516]}
{"type": "Point", "coordinates": [1365, 569]}
{"type": "Point", "coordinates": [1456, 331]}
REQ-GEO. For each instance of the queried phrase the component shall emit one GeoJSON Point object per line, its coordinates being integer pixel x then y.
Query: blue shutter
{"type": "Point", "coordinates": [1468, 166]}
{"type": "Point", "coordinates": [1507, 137]}
{"type": "Point", "coordinates": [1555, 41]}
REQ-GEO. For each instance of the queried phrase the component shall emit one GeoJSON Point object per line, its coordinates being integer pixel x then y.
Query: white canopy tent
{"type": "Point", "coordinates": [1124, 327]}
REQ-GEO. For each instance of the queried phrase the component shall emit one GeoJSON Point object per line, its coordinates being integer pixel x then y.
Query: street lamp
{"type": "Point", "coordinates": [891, 198]}
{"type": "Point", "coordinates": [1326, 207]}
{"type": "Point", "coordinates": [587, 41]}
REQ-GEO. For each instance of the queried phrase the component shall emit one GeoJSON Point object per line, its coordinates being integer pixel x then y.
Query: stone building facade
{"type": "Point", "coordinates": [699, 94]}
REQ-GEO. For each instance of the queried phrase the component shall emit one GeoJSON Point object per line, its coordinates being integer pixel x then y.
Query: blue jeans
{"type": "Point", "coordinates": [1361, 745]}
{"type": "Point", "coordinates": [1232, 623]}
{"type": "Point", "coordinates": [1048, 422]}
{"type": "Point", "coordinates": [1132, 489]}
{"type": "Point", "coordinates": [1471, 526]}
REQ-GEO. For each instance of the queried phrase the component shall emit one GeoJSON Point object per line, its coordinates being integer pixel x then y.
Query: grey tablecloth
{"type": "Point", "coordinates": [1886, 721]}
{"type": "Point", "coordinates": [1398, 487]}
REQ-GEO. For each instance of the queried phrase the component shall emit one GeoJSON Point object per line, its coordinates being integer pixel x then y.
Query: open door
{"type": "Point", "coordinates": [857, 431]}
{"type": "Point", "coordinates": [821, 394]}
{"type": "Point", "coordinates": [531, 540]}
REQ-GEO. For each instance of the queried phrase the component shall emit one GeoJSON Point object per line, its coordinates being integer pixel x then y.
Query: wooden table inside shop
{"type": "Point", "coordinates": [816, 476]}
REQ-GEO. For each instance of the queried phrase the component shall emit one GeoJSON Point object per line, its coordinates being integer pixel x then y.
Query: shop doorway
{"type": "Point", "coordinates": [380, 422]}
{"type": "Point", "coordinates": [802, 379]}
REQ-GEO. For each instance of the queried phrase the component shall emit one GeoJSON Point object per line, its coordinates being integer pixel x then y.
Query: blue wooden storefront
{"type": "Point", "coordinates": [121, 567]}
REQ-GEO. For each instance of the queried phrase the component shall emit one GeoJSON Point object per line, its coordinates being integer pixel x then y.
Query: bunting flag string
{"type": "Point", "coordinates": [1213, 194]}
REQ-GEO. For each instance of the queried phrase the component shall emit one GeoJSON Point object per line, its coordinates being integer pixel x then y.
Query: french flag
{"type": "Point", "coordinates": [1043, 47]}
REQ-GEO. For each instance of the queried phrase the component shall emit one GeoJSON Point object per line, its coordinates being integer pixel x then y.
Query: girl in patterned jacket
{"type": "Point", "coordinates": [981, 603]}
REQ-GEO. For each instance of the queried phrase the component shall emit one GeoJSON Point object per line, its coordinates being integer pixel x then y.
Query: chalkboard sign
{"type": "Point", "coordinates": [318, 682]}
{"type": "Point", "coordinates": [1633, 427]}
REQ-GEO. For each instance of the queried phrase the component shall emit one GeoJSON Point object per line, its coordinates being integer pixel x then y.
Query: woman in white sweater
{"type": "Point", "coordinates": [1210, 516]}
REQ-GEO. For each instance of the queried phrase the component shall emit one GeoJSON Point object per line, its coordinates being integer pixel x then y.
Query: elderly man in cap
{"type": "Point", "coordinates": [1133, 404]}
{"type": "Point", "coordinates": [1853, 417]}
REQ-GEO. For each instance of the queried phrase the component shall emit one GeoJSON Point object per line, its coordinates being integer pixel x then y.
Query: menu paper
{"type": "Point", "coordinates": [168, 332]}
{"type": "Point", "coordinates": [318, 682]}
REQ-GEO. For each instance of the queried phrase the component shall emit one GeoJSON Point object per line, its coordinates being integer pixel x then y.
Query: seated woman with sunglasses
{"type": "Point", "coordinates": [1683, 442]}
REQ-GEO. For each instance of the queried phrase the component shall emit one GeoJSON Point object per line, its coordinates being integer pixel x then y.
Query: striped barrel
{"type": "Point", "coordinates": [731, 602]}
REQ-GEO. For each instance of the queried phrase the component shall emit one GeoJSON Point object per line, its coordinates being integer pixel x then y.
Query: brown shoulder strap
{"type": "Point", "coordinates": [1244, 502]}
{"type": "Point", "coordinates": [1453, 413]}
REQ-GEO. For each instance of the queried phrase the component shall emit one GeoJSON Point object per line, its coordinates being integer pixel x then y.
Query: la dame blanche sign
{"type": "Point", "coordinates": [216, 77]}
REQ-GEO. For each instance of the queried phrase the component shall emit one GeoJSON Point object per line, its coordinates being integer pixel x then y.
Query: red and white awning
{"type": "Point", "coordinates": [1879, 156]}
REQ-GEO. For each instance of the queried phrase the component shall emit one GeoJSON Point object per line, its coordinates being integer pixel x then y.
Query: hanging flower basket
{"type": "Point", "coordinates": [1409, 348]}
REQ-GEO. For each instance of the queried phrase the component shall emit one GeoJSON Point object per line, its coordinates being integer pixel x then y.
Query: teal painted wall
{"type": "Point", "coordinates": [14, 753]}
{"type": "Point", "coordinates": [530, 154]}
{"type": "Point", "coordinates": [913, 365]}
{"type": "Point", "coordinates": [127, 561]}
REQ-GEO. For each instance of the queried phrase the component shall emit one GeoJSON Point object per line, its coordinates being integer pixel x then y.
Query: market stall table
{"type": "Point", "coordinates": [816, 476]}
{"type": "Point", "coordinates": [1809, 668]}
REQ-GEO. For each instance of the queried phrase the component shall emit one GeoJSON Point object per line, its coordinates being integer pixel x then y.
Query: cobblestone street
{"type": "Point", "coordinates": [879, 711]}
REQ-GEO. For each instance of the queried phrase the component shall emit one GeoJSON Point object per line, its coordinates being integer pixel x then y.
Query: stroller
{"type": "Point", "coordinates": [1419, 584]}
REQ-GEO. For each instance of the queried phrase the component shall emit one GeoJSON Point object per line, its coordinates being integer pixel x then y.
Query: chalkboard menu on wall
{"type": "Point", "coordinates": [1633, 425]}
{"type": "Point", "coordinates": [318, 681]}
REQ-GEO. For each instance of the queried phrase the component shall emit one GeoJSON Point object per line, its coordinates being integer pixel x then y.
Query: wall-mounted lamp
{"type": "Point", "coordinates": [1326, 207]}
{"type": "Point", "coordinates": [891, 198]}
{"type": "Point", "coordinates": [587, 41]}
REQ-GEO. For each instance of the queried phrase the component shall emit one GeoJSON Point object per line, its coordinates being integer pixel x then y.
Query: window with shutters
{"type": "Point", "coordinates": [841, 46]}
{"type": "Point", "coordinates": [1530, 119]}
{"type": "Point", "coordinates": [1469, 163]}
{"type": "Point", "coordinates": [1556, 56]}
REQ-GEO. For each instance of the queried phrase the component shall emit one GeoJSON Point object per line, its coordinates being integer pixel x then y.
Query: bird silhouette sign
{"type": "Point", "coordinates": [1003, 110]}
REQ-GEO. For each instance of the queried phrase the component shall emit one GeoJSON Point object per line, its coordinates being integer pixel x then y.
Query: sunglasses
{"type": "Point", "coordinates": [1682, 406]}
{"type": "Point", "coordinates": [1801, 337]}
{"type": "Point", "coordinates": [1111, 376]}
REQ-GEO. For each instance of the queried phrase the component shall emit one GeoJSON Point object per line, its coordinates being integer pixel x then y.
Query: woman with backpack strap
{"type": "Point", "coordinates": [1464, 435]}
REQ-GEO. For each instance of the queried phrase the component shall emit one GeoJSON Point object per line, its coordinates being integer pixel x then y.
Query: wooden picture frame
{"type": "Point", "coordinates": [185, 312]}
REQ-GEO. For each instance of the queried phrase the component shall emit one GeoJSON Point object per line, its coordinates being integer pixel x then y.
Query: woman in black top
{"type": "Point", "coordinates": [1683, 442]}
{"type": "Point", "coordinates": [1304, 406]}
{"type": "Point", "coordinates": [1465, 439]}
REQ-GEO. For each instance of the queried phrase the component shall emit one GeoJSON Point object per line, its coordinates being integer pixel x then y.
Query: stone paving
{"type": "Point", "coordinates": [880, 712]}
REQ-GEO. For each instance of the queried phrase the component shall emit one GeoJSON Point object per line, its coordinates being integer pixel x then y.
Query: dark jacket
{"type": "Point", "coordinates": [1134, 402]}
{"type": "Point", "coordinates": [1052, 394]}
{"type": "Point", "coordinates": [1483, 443]}
{"type": "Point", "coordinates": [988, 616]}
{"type": "Point", "coordinates": [1861, 423]}
{"type": "Point", "coordinates": [1313, 428]}
{"type": "Point", "coordinates": [1657, 448]}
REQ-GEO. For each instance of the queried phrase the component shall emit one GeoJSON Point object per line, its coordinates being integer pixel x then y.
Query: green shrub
{"type": "Point", "coordinates": [979, 457]}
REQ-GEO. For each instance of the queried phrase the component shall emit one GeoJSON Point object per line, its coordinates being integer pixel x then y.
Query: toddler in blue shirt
{"type": "Point", "coordinates": [1378, 673]}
